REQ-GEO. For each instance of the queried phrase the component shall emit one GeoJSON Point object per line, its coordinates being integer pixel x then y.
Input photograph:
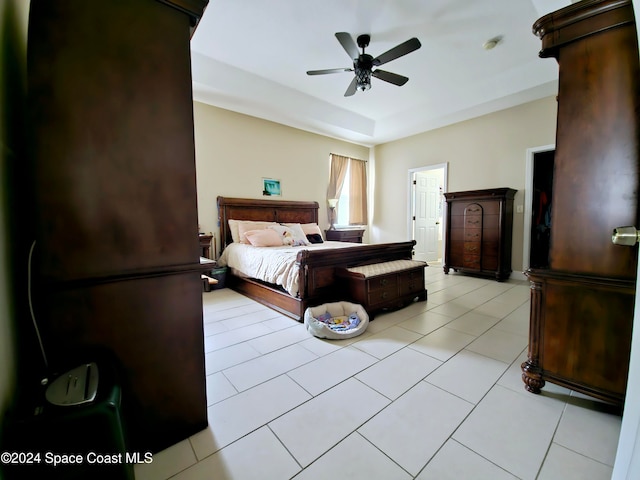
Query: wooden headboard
{"type": "Point", "coordinates": [281, 211]}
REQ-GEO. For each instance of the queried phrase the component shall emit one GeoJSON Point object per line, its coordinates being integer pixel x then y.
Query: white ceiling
{"type": "Point", "coordinates": [251, 56]}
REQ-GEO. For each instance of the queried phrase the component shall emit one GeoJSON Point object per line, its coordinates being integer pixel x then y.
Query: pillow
{"type": "Point", "coordinates": [311, 229]}
{"type": "Point", "coordinates": [299, 236]}
{"type": "Point", "coordinates": [264, 237]}
{"type": "Point", "coordinates": [290, 234]}
{"type": "Point", "coordinates": [285, 233]}
{"type": "Point", "coordinates": [239, 227]}
{"type": "Point", "coordinates": [314, 238]}
{"type": "Point", "coordinates": [312, 232]}
{"type": "Point", "coordinates": [246, 226]}
{"type": "Point", "coordinates": [233, 227]}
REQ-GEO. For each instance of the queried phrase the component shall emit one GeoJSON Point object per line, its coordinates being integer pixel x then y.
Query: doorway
{"type": "Point", "coordinates": [541, 209]}
{"type": "Point", "coordinates": [537, 206]}
{"type": "Point", "coordinates": [426, 211]}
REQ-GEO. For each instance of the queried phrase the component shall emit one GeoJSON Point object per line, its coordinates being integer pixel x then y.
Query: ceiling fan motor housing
{"type": "Point", "coordinates": [363, 61]}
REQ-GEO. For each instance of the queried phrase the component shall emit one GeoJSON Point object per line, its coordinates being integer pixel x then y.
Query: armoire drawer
{"type": "Point", "coordinates": [482, 208]}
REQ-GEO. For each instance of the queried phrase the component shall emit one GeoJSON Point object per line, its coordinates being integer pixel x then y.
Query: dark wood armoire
{"type": "Point", "coordinates": [582, 305]}
{"type": "Point", "coordinates": [112, 160]}
{"type": "Point", "coordinates": [479, 232]}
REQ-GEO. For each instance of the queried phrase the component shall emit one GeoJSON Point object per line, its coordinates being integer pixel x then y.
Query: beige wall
{"type": "Point", "coordinates": [13, 34]}
{"type": "Point", "coordinates": [234, 152]}
{"type": "Point", "coordinates": [485, 152]}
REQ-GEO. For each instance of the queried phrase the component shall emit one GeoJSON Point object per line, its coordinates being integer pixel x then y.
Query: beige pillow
{"type": "Point", "coordinates": [233, 228]}
{"type": "Point", "coordinates": [311, 229]}
{"type": "Point", "coordinates": [264, 237]}
{"type": "Point", "coordinates": [239, 227]}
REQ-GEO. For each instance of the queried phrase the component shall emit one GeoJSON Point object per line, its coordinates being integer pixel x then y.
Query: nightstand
{"type": "Point", "coordinates": [205, 245]}
{"type": "Point", "coordinates": [353, 235]}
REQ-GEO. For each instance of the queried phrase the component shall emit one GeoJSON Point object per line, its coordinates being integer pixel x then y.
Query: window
{"type": "Point", "coordinates": [342, 210]}
{"type": "Point", "coordinates": [348, 183]}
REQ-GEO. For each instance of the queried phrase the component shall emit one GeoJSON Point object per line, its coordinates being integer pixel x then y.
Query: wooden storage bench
{"type": "Point", "coordinates": [385, 285]}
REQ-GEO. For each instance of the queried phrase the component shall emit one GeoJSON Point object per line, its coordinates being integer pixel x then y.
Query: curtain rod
{"type": "Point", "coordinates": [347, 156]}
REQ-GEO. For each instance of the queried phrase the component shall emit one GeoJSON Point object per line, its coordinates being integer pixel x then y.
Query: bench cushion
{"type": "Point", "coordinates": [384, 268]}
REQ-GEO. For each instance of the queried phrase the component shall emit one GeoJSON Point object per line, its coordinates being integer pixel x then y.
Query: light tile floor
{"type": "Point", "coordinates": [430, 391]}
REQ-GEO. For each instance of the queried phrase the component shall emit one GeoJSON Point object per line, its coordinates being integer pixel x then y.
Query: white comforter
{"type": "Point", "coordinates": [271, 264]}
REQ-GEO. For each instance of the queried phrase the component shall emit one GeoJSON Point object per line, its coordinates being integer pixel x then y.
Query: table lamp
{"type": "Point", "coordinates": [332, 207]}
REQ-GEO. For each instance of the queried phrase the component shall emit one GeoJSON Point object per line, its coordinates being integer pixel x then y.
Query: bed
{"type": "Point", "coordinates": [315, 267]}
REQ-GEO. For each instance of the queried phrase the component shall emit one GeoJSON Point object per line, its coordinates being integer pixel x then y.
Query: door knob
{"type": "Point", "coordinates": [627, 236]}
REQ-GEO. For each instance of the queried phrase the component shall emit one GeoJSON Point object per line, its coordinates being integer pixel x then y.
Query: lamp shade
{"type": "Point", "coordinates": [332, 202]}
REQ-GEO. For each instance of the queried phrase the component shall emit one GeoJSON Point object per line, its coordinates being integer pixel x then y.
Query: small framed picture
{"type": "Point", "coordinates": [271, 187]}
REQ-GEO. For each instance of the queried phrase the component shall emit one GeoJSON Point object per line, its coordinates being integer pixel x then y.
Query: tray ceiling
{"type": "Point", "coordinates": [251, 57]}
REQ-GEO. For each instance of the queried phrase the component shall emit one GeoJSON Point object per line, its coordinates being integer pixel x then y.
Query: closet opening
{"type": "Point", "coordinates": [541, 220]}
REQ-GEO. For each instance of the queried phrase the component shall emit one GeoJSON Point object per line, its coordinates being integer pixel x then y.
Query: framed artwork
{"type": "Point", "coordinates": [271, 187]}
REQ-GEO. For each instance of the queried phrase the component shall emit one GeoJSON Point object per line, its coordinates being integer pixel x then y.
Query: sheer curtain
{"type": "Point", "coordinates": [358, 192]}
{"type": "Point", "coordinates": [339, 166]}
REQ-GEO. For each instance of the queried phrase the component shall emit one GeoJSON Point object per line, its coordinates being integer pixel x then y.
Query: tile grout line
{"type": "Point", "coordinates": [509, 301]}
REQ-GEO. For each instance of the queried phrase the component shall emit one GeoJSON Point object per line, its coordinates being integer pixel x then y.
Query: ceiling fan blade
{"type": "Point", "coordinates": [329, 70]}
{"type": "Point", "coordinates": [351, 89]}
{"type": "Point", "coordinates": [397, 51]}
{"type": "Point", "coordinates": [348, 44]}
{"type": "Point", "coordinates": [390, 77]}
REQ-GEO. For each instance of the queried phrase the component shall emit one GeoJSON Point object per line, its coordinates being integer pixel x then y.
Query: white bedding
{"type": "Point", "coordinates": [271, 264]}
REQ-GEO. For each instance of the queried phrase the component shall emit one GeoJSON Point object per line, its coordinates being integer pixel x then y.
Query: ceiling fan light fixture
{"type": "Point", "coordinates": [363, 79]}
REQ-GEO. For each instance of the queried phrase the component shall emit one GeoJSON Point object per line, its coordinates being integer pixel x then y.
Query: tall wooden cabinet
{"type": "Point", "coordinates": [116, 258]}
{"type": "Point", "coordinates": [582, 305]}
{"type": "Point", "coordinates": [478, 232]}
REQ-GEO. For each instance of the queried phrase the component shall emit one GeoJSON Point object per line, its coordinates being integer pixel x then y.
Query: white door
{"type": "Point", "coordinates": [426, 215]}
{"type": "Point", "coordinates": [627, 464]}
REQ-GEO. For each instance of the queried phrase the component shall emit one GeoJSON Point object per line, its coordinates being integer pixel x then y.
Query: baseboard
{"type": "Point", "coordinates": [519, 276]}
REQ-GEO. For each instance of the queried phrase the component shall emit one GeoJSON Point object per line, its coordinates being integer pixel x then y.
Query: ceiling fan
{"type": "Point", "coordinates": [364, 63]}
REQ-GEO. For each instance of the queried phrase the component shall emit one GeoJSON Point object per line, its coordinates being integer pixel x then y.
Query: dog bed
{"type": "Point", "coordinates": [336, 320]}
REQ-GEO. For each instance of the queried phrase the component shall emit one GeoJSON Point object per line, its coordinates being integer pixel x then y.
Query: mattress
{"type": "Point", "coordinates": [276, 265]}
